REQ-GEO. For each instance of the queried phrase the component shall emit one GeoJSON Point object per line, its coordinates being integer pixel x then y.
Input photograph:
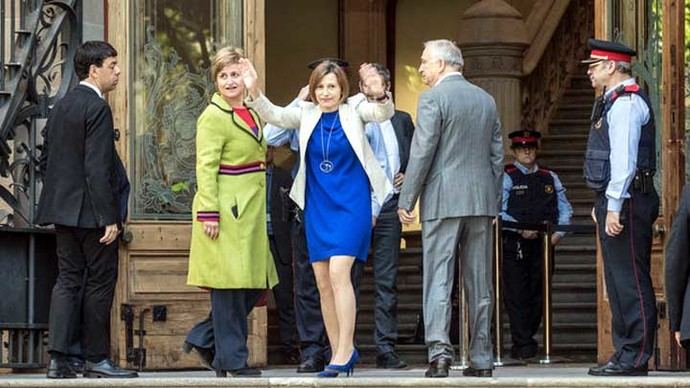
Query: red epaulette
{"type": "Point", "coordinates": [543, 171]}
{"type": "Point", "coordinates": [508, 168]}
{"type": "Point", "coordinates": [621, 90]}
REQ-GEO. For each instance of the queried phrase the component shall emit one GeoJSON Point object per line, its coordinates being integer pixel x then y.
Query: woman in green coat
{"type": "Point", "coordinates": [229, 250]}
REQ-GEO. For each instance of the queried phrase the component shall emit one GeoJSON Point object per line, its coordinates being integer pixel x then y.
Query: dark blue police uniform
{"type": "Point", "coordinates": [622, 112]}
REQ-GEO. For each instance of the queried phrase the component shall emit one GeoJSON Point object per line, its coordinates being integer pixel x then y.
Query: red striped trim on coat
{"type": "Point", "coordinates": [238, 169]}
{"type": "Point", "coordinates": [207, 216]}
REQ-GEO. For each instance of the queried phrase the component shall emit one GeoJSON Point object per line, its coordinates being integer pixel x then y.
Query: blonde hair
{"type": "Point", "coordinates": [322, 70]}
{"type": "Point", "coordinates": [225, 56]}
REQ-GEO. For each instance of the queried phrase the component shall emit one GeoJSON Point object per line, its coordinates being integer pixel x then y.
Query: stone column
{"type": "Point", "coordinates": [493, 38]}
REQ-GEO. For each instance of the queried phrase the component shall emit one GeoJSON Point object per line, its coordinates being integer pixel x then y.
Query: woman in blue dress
{"type": "Point", "coordinates": [337, 174]}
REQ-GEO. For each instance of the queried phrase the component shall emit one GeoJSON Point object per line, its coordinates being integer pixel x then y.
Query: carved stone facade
{"type": "Point", "coordinates": [493, 37]}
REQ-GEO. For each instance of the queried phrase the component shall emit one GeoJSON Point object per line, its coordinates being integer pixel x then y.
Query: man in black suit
{"type": "Point", "coordinates": [390, 141]}
{"type": "Point", "coordinates": [83, 189]}
{"type": "Point", "coordinates": [279, 208]}
{"type": "Point", "coordinates": [677, 267]}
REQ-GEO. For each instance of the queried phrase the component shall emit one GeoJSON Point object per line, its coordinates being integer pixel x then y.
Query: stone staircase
{"type": "Point", "coordinates": [574, 282]}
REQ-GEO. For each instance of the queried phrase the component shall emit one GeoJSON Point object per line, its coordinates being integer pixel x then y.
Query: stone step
{"type": "Point", "coordinates": [570, 127]}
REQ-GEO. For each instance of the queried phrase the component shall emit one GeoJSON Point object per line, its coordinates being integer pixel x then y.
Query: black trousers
{"type": "Point", "coordinates": [225, 329]}
{"type": "Point", "coordinates": [87, 273]}
{"type": "Point", "coordinates": [284, 295]}
{"type": "Point", "coordinates": [628, 281]}
{"type": "Point", "coordinates": [523, 277]}
{"type": "Point", "coordinates": [386, 253]}
{"type": "Point", "coordinates": [309, 321]}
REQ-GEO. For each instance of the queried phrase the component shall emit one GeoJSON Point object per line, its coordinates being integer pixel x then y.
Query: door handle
{"type": "Point", "coordinates": [659, 230]}
{"type": "Point", "coordinates": [127, 236]}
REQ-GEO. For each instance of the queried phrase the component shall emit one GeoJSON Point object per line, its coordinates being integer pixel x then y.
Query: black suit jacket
{"type": "Point", "coordinates": [677, 268]}
{"type": "Point", "coordinates": [281, 209]}
{"type": "Point", "coordinates": [83, 178]}
{"type": "Point", "coordinates": [404, 130]}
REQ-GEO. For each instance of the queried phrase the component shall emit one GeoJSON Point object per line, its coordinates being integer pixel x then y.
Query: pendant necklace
{"type": "Point", "coordinates": [326, 165]}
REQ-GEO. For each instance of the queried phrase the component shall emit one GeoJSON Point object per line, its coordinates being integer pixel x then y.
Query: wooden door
{"type": "Point", "coordinates": [164, 49]}
{"type": "Point", "coordinates": [659, 68]}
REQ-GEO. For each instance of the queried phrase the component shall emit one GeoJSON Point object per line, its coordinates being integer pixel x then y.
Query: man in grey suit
{"type": "Point", "coordinates": [456, 169]}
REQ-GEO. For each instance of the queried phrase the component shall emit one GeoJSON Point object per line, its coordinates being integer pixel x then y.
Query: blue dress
{"type": "Point", "coordinates": [337, 209]}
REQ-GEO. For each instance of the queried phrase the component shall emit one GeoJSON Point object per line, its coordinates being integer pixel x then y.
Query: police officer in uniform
{"type": "Point", "coordinates": [619, 166]}
{"type": "Point", "coordinates": [531, 195]}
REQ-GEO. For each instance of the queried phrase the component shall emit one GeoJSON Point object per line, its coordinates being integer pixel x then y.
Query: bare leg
{"type": "Point", "coordinates": [345, 308]}
{"type": "Point", "coordinates": [328, 311]}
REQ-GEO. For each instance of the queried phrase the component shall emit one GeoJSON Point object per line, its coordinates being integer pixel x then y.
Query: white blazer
{"type": "Point", "coordinates": [353, 114]}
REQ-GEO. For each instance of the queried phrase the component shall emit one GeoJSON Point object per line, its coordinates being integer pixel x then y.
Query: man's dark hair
{"type": "Point", "coordinates": [93, 52]}
{"type": "Point", "coordinates": [383, 72]}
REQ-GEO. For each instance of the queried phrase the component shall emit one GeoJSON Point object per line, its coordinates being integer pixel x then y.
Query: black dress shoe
{"type": "Point", "coordinates": [471, 372]}
{"type": "Point", "coordinates": [59, 368]}
{"type": "Point", "coordinates": [612, 369]}
{"type": "Point", "coordinates": [204, 355]}
{"type": "Point", "coordinates": [76, 363]}
{"type": "Point", "coordinates": [107, 369]}
{"type": "Point", "coordinates": [291, 357]}
{"type": "Point", "coordinates": [523, 352]}
{"type": "Point", "coordinates": [438, 368]}
{"type": "Point", "coordinates": [311, 365]}
{"type": "Point", "coordinates": [390, 360]}
{"type": "Point", "coordinates": [245, 372]}
{"type": "Point", "coordinates": [596, 370]}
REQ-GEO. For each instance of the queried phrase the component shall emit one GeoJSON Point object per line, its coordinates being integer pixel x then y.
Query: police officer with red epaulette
{"type": "Point", "coordinates": [531, 195]}
{"type": "Point", "coordinates": [619, 166]}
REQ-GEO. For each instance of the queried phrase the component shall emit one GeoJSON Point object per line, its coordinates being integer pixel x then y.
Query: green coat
{"type": "Point", "coordinates": [240, 257]}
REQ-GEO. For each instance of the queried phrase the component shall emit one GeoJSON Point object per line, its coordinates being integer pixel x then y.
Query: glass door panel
{"type": "Point", "coordinates": [172, 44]}
{"type": "Point", "coordinates": [638, 24]}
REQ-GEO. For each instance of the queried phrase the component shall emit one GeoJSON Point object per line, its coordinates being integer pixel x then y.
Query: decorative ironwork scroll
{"type": "Point", "coordinates": [45, 35]}
{"type": "Point", "coordinates": [544, 88]}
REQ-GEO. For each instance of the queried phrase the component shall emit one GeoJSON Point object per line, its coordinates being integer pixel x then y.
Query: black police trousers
{"type": "Point", "coordinates": [628, 281]}
{"type": "Point", "coordinates": [523, 274]}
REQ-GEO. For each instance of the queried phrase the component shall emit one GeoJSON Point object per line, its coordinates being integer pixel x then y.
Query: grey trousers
{"type": "Point", "coordinates": [470, 239]}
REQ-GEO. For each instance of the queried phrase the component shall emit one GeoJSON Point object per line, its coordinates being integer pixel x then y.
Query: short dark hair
{"type": "Point", "coordinates": [322, 70]}
{"type": "Point", "coordinates": [383, 72]}
{"type": "Point", "coordinates": [93, 52]}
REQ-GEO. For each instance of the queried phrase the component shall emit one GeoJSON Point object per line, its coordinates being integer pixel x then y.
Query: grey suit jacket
{"type": "Point", "coordinates": [456, 159]}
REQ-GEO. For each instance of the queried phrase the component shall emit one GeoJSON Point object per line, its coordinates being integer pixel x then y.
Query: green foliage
{"type": "Point", "coordinates": [180, 186]}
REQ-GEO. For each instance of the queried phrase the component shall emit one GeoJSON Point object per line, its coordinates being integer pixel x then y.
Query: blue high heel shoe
{"type": "Point", "coordinates": [332, 370]}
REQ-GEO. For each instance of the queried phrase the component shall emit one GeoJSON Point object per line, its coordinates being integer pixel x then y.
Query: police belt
{"type": "Point", "coordinates": [541, 227]}
{"type": "Point", "coordinates": [643, 181]}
